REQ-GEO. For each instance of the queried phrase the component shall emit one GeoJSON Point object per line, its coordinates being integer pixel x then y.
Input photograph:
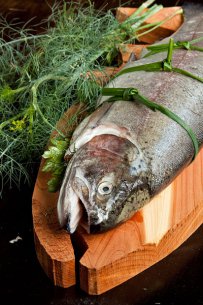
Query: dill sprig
{"type": "Point", "coordinates": [42, 75]}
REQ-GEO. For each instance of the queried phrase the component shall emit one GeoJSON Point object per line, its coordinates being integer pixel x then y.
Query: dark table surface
{"type": "Point", "coordinates": [176, 280]}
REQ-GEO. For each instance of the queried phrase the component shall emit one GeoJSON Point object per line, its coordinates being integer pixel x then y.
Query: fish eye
{"type": "Point", "coordinates": [105, 188]}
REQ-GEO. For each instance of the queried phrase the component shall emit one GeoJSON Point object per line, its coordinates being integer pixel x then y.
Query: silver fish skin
{"type": "Point", "coordinates": [124, 153]}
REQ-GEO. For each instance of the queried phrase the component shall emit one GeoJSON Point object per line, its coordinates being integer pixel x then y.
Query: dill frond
{"type": "Point", "coordinates": [42, 75]}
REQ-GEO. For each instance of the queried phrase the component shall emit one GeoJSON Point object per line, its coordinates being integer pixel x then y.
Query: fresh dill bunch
{"type": "Point", "coordinates": [42, 75]}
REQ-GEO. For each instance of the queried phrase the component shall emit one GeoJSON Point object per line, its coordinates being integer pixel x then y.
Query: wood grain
{"type": "Point", "coordinates": [53, 245]}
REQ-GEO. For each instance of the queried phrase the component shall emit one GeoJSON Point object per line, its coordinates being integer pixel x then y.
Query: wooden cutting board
{"type": "Point", "coordinates": [108, 259]}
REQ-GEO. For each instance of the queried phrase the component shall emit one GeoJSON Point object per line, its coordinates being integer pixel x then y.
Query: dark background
{"type": "Point", "coordinates": [178, 279]}
{"type": "Point", "coordinates": [40, 9]}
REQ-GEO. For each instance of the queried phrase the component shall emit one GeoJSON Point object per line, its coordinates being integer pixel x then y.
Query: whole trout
{"type": "Point", "coordinates": [124, 153]}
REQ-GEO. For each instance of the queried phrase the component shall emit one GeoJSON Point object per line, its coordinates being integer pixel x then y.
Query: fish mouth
{"type": "Point", "coordinates": [72, 208]}
{"type": "Point", "coordinates": [69, 210]}
{"type": "Point", "coordinates": [72, 212]}
{"type": "Point", "coordinates": [78, 217]}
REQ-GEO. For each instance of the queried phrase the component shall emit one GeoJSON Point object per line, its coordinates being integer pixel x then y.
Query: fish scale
{"type": "Point", "coordinates": [161, 148]}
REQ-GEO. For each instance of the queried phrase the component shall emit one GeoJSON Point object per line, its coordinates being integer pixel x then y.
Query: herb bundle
{"type": "Point", "coordinates": [42, 75]}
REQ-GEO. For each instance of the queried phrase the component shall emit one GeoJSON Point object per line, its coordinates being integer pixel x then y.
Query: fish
{"type": "Point", "coordinates": [124, 153]}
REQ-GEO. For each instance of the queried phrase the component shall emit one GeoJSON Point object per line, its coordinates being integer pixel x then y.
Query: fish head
{"type": "Point", "coordinates": [104, 185]}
